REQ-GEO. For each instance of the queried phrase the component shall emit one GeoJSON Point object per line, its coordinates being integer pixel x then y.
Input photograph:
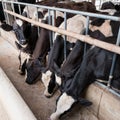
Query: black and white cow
{"type": "Point", "coordinates": [76, 24]}
{"type": "Point", "coordinates": [98, 28]}
{"type": "Point", "coordinates": [41, 50]}
{"type": "Point", "coordinates": [96, 64]}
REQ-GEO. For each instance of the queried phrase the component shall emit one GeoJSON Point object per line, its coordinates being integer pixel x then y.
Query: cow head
{"type": "Point", "coordinates": [33, 70]}
{"type": "Point", "coordinates": [22, 31]}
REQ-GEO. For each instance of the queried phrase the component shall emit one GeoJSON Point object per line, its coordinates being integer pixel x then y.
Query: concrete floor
{"type": "Point", "coordinates": [41, 106]}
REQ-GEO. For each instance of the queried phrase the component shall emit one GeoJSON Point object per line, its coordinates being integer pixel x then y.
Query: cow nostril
{"type": "Point", "coordinates": [22, 42]}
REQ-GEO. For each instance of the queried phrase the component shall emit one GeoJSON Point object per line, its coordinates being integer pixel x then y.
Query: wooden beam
{"type": "Point", "coordinates": [87, 39]}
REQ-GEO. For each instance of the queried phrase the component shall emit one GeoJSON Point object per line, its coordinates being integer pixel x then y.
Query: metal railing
{"type": "Point", "coordinates": [104, 45]}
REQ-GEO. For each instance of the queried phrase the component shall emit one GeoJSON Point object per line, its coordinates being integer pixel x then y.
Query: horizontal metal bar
{"type": "Point", "coordinates": [87, 39]}
{"type": "Point", "coordinates": [70, 11]}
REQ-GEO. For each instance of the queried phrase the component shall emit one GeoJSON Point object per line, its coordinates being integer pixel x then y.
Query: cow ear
{"type": "Point", "coordinates": [6, 27]}
{"type": "Point", "coordinates": [117, 7]}
{"type": "Point", "coordinates": [84, 102]}
{"type": "Point", "coordinates": [24, 14]}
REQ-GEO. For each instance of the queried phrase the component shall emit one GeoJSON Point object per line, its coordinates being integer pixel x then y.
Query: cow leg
{"type": "Point", "coordinates": [48, 80]}
{"type": "Point", "coordinates": [22, 68]}
{"type": "Point", "coordinates": [64, 103]}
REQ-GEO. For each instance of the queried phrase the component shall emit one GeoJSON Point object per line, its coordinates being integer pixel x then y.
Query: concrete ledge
{"type": "Point", "coordinates": [106, 103]}
{"type": "Point", "coordinates": [9, 36]}
{"type": "Point", "coordinates": [109, 106]}
{"type": "Point", "coordinates": [12, 106]}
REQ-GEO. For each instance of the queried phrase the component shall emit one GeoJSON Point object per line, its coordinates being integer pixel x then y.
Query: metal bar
{"type": "Point", "coordinates": [87, 39]}
{"type": "Point", "coordinates": [3, 5]}
{"type": "Point", "coordinates": [65, 37]}
{"type": "Point", "coordinates": [19, 9]}
{"type": "Point", "coordinates": [38, 20]}
{"type": "Point", "coordinates": [86, 33]}
{"type": "Point", "coordinates": [53, 22]}
{"type": "Point", "coordinates": [50, 32]}
{"type": "Point", "coordinates": [13, 9]}
{"type": "Point", "coordinates": [71, 11]}
{"type": "Point", "coordinates": [113, 61]}
{"type": "Point", "coordinates": [8, 22]}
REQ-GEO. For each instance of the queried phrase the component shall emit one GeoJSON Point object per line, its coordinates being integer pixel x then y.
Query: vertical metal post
{"type": "Point", "coordinates": [53, 22]}
{"type": "Point", "coordinates": [86, 33]}
{"type": "Point", "coordinates": [113, 61]}
{"type": "Point", "coordinates": [28, 12]}
{"type": "Point", "coordinates": [19, 9]}
{"type": "Point", "coordinates": [50, 33]}
{"type": "Point", "coordinates": [8, 22]}
{"type": "Point", "coordinates": [38, 20]}
{"type": "Point", "coordinates": [13, 9]}
{"type": "Point", "coordinates": [65, 37]}
{"type": "Point", "coordinates": [5, 14]}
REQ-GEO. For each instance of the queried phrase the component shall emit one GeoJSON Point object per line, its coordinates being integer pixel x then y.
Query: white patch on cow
{"type": "Point", "coordinates": [64, 103]}
{"type": "Point", "coordinates": [32, 12]}
{"type": "Point", "coordinates": [92, 47]}
{"type": "Point", "coordinates": [25, 56]}
{"type": "Point", "coordinates": [19, 22]}
{"type": "Point", "coordinates": [109, 11]}
{"type": "Point", "coordinates": [56, 14]}
{"type": "Point", "coordinates": [76, 24]}
{"type": "Point", "coordinates": [46, 79]}
{"type": "Point", "coordinates": [58, 80]}
{"type": "Point", "coordinates": [105, 28]}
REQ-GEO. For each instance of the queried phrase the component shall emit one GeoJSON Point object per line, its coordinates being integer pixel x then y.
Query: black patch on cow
{"type": "Point", "coordinates": [107, 5]}
{"type": "Point", "coordinates": [26, 29]}
{"type": "Point", "coordinates": [115, 24]}
{"type": "Point", "coordinates": [96, 34]}
{"type": "Point", "coordinates": [58, 21]}
{"type": "Point", "coordinates": [40, 14]}
{"type": "Point", "coordinates": [97, 22]}
{"type": "Point", "coordinates": [117, 7]}
{"type": "Point", "coordinates": [33, 71]}
{"type": "Point", "coordinates": [52, 84]}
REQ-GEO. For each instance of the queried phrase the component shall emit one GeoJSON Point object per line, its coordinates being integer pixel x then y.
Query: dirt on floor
{"type": "Point", "coordinates": [41, 106]}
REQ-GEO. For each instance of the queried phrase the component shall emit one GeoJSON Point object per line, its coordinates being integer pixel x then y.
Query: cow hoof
{"type": "Point", "coordinates": [20, 72]}
{"type": "Point", "coordinates": [54, 117]}
{"type": "Point", "coordinates": [48, 95]}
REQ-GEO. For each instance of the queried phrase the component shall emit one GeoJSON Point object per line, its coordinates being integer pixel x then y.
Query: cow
{"type": "Point", "coordinates": [41, 50]}
{"type": "Point", "coordinates": [56, 52]}
{"type": "Point", "coordinates": [96, 64]}
{"type": "Point", "coordinates": [76, 24]}
{"type": "Point", "coordinates": [96, 25]}
{"type": "Point", "coordinates": [96, 30]}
